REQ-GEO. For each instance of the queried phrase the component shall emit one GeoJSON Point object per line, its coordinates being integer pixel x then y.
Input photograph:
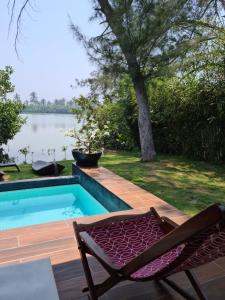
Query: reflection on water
{"type": "Point", "coordinates": [34, 127]}
{"type": "Point", "coordinates": [43, 133]}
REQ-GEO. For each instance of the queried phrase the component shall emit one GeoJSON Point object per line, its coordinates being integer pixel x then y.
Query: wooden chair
{"type": "Point", "coordinates": [149, 247]}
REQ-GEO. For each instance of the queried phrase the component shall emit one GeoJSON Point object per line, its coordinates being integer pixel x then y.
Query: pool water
{"type": "Point", "coordinates": [41, 205]}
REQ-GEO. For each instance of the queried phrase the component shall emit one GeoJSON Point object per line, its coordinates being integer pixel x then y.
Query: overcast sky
{"type": "Point", "coordinates": [50, 58]}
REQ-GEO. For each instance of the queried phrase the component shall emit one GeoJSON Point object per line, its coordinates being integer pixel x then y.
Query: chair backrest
{"type": "Point", "coordinates": [204, 246]}
{"type": "Point", "coordinates": [202, 238]}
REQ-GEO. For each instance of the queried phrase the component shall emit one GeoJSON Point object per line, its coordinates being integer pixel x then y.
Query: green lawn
{"type": "Point", "coordinates": [188, 185]}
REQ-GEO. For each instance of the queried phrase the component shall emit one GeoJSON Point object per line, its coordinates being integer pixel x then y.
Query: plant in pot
{"type": "Point", "coordinates": [89, 137]}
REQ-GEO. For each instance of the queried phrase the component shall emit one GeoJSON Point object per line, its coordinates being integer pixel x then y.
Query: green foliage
{"type": "Point", "coordinates": [187, 109]}
{"type": "Point", "coordinates": [144, 38]}
{"type": "Point", "coordinates": [110, 109]}
{"type": "Point", "coordinates": [89, 137]}
{"type": "Point", "coordinates": [148, 34]}
{"type": "Point", "coordinates": [189, 118]}
{"type": "Point", "coordinates": [25, 151]}
{"type": "Point", "coordinates": [35, 105]}
{"type": "Point", "coordinates": [188, 112]}
{"type": "Point", "coordinates": [119, 113]}
{"type": "Point", "coordinates": [5, 84]}
{"type": "Point", "coordinates": [10, 119]}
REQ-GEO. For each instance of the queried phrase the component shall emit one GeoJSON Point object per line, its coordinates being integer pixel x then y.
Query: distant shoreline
{"type": "Point", "coordinates": [42, 112]}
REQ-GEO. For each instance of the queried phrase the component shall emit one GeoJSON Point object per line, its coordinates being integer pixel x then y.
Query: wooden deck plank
{"type": "Point", "coordinates": [44, 235]}
{"type": "Point", "coordinates": [34, 229]}
{"type": "Point", "coordinates": [32, 250]}
{"type": "Point", "coordinates": [57, 257]}
{"type": "Point", "coordinates": [8, 243]}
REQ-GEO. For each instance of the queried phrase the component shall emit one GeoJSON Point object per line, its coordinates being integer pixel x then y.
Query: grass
{"type": "Point", "coordinates": [26, 171]}
{"type": "Point", "coordinates": [188, 185]}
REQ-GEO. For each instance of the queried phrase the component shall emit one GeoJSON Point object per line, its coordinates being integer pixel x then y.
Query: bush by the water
{"type": "Point", "coordinates": [10, 118]}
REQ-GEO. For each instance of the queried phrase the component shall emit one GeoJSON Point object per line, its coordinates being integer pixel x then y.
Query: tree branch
{"type": "Point", "coordinates": [18, 21]}
{"type": "Point", "coordinates": [18, 24]}
{"type": "Point", "coordinates": [12, 14]}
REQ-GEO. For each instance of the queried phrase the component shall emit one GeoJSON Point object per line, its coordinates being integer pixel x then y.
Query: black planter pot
{"type": "Point", "coordinates": [86, 159]}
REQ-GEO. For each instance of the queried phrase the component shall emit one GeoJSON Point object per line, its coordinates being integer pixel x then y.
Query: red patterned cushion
{"type": "Point", "coordinates": [123, 241]}
{"type": "Point", "coordinates": [201, 249]}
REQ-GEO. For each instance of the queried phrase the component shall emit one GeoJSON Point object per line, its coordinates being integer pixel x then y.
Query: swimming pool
{"type": "Point", "coordinates": [47, 204]}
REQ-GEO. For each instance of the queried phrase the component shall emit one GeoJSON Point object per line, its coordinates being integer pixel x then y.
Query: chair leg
{"type": "Point", "coordinates": [179, 290]}
{"type": "Point", "coordinates": [194, 282]}
{"type": "Point", "coordinates": [91, 287]}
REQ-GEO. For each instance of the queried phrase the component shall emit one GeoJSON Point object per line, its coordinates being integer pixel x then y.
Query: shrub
{"type": "Point", "coordinates": [189, 118]}
{"type": "Point", "coordinates": [10, 119]}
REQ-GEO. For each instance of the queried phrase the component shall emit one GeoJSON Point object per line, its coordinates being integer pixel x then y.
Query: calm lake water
{"type": "Point", "coordinates": [43, 133]}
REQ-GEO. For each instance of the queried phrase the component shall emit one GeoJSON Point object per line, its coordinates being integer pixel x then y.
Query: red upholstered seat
{"type": "Point", "coordinates": [123, 241]}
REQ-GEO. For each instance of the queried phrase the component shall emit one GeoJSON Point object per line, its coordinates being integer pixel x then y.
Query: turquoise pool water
{"type": "Point", "coordinates": [41, 205]}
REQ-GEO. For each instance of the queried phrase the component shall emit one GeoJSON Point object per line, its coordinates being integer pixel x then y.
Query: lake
{"type": "Point", "coordinates": [43, 133]}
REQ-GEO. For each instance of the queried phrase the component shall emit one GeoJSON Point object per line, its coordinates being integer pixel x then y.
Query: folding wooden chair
{"type": "Point", "coordinates": [149, 247]}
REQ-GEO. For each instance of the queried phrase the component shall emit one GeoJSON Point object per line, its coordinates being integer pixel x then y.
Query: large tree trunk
{"type": "Point", "coordinates": [144, 121]}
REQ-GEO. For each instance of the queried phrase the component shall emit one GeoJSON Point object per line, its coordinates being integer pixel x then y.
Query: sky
{"type": "Point", "coordinates": [50, 59]}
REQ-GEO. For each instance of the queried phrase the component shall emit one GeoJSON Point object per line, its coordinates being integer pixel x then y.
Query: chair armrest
{"type": "Point", "coordinates": [97, 251]}
{"type": "Point", "coordinates": [167, 224]}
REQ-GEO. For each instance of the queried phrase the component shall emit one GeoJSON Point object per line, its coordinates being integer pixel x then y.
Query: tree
{"type": "Point", "coordinates": [209, 64]}
{"type": "Point", "coordinates": [43, 102]}
{"type": "Point", "coordinates": [61, 101]}
{"type": "Point", "coordinates": [10, 119]}
{"type": "Point", "coordinates": [142, 38]}
{"type": "Point", "coordinates": [17, 97]}
{"type": "Point", "coordinates": [33, 97]}
{"type": "Point", "coordinates": [25, 151]}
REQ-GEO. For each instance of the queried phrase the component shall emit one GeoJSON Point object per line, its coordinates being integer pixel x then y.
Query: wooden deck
{"type": "Point", "coordinates": [56, 240]}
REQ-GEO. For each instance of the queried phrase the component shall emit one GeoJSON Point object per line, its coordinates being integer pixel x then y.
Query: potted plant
{"type": "Point", "coordinates": [88, 138]}
{"type": "Point", "coordinates": [86, 151]}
